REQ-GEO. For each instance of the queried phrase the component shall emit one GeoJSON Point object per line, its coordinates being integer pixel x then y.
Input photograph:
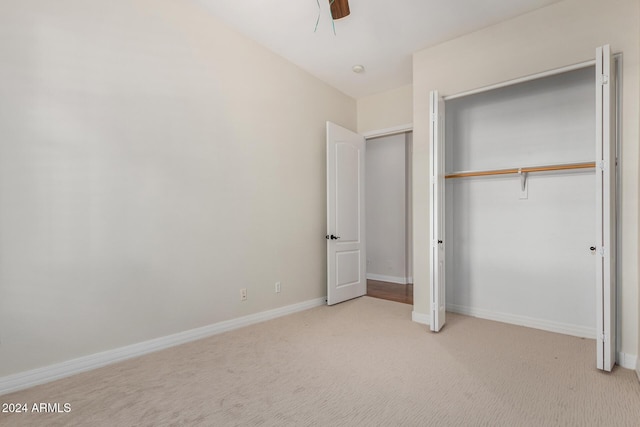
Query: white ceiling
{"type": "Point", "coordinates": [379, 34]}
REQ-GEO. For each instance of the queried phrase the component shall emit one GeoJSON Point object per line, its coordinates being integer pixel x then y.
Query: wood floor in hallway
{"type": "Point", "coordinates": [390, 291]}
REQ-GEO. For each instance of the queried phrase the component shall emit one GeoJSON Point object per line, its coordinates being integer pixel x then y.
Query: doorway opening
{"type": "Point", "coordinates": [389, 217]}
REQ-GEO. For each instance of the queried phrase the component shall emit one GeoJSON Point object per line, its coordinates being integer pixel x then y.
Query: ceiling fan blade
{"type": "Point", "coordinates": [339, 8]}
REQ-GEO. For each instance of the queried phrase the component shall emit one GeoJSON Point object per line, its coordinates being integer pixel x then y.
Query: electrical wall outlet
{"type": "Point", "coordinates": [243, 294]}
{"type": "Point", "coordinates": [277, 287]}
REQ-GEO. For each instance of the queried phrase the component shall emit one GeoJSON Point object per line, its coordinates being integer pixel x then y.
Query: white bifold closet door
{"type": "Point", "coordinates": [605, 241]}
{"type": "Point", "coordinates": [606, 164]}
{"type": "Point", "coordinates": [437, 226]}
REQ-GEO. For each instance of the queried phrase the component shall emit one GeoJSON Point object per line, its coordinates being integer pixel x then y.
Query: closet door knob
{"type": "Point", "coordinates": [592, 248]}
{"type": "Point", "coordinates": [439, 241]}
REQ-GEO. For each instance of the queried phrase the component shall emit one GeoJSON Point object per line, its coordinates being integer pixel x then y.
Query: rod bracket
{"type": "Point", "coordinates": [524, 194]}
{"type": "Point", "coordinates": [523, 179]}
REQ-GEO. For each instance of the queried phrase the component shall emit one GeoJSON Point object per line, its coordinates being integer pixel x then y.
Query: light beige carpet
{"type": "Point", "coordinates": [362, 362]}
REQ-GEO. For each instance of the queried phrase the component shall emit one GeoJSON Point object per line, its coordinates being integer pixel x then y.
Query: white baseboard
{"type": "Point", "coordinates": [546, 325]}
{"type": "Point", "coordinates": [50, 373]}
{"type": "Point", "coordinates": [628, 361]}
{"type": "Point", "coordinates": [420, 318]}
{"type": "Point", "coordinates": [391, 279]}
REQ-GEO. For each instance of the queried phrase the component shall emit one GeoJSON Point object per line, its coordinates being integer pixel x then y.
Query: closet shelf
{"type": "Point", "coordinates": [547, 168]}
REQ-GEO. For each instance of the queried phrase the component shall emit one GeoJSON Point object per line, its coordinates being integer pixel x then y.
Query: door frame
{"type": "Point", "coordinates": [392, 131]}
{"type": "Point", "coordinates": [368, 135]}
{"type": "Point", "coordinates": [408, 127]}
{"type": "Point", "coordinates": [616, 61]}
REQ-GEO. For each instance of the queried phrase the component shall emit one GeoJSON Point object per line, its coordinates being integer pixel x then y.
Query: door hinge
{"type": "Point", "coordinates": [602, 337]}
{"type": "Point", "coordinates": [602, 165]}
{"type": "Point", "coordinates": [601, 251]}
{"type": "Point", "coordinates": [434, 306]}
{"type": "Point", "coordinates": [434, 117]}
{"type": "Point", "coordinates": [604, 79]}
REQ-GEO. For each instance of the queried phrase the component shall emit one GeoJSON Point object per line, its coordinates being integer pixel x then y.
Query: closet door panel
{"type": "Point", "coordinates": [605, 209]}
{"type": "Point", "coordinates": [437, 211]}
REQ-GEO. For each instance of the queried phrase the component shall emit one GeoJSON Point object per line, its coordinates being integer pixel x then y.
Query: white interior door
{"type": "Point", "coordinates": [346, 245]}
{"type": "Point", "coordinates": [437, 262]}
{"type": "Point", "coordinates": [605, 209]}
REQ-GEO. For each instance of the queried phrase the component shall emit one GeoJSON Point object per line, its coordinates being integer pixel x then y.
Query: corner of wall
{"type": "Point", "coordinates": [421, 318]}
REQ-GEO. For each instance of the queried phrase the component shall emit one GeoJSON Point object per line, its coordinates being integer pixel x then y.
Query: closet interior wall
{"type": "Point", "coordinates": [523, 256]}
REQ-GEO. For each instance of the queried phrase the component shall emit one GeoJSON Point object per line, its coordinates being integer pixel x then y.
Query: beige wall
{"type": "Point", "coordinates": [558, 35]}
{"type": "Point", "coordinates": [152, 163]}
{"type": "Point", "coordinates": [385, 110]}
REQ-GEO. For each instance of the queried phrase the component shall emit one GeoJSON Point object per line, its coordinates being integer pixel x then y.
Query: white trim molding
{"type": "Point", "coordinates": [388, 131]}
{"type": "Point", "coordinates": [545, 325]}
{"type": "Point", "coordinates": [390, 279]}
{"type": "Point", "coordinates": [638, 369]}
{"type": "Point", "coordinates": [57, 371]}
{"type": "Point", "coordinates": [420, 318]}
{"type": "Point", "coordinates": [524, 79]}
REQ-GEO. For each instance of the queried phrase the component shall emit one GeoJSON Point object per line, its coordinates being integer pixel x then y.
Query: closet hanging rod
{"type": "Point", "coordinates": [547, 168]}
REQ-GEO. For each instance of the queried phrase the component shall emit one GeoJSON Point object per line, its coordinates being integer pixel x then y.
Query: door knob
{"type": "Point", "coordinates": [332, 237]}
{"type": "Point", "coordinates": [592, 248]}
